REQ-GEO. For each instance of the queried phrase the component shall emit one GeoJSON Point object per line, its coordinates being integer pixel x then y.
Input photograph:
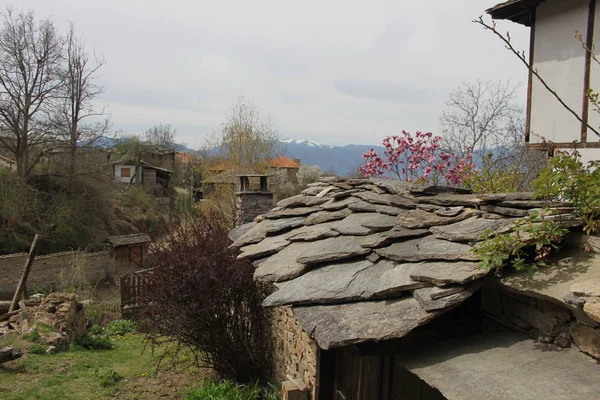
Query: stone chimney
{"type": "Point", "coordinates": [252, 200]}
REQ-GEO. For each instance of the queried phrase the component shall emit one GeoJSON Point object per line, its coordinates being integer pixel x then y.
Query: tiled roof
{"type": "Point", "coordinates": [284, 162]}
{"type": "Point", "coordinates": [371, 259]}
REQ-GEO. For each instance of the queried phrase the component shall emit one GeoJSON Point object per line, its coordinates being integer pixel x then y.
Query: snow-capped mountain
{"type": "Point", "coordinates": [339, 160]}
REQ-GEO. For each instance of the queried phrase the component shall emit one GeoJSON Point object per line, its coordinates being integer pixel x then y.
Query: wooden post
{"type": "Point", "coordinates": [25, 273]}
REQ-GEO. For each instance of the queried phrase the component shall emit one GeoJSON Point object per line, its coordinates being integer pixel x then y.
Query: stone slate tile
{"type": "Point", "coordinates": [301, 201]}
{"type": "Point", "coordinates": [423, 219]}
{"type": "Point", "coordinates": [472, 229]}
{"type": "Point", "coordinates": [447, 273]}
{"type": "Point", "coordinates": [321, 217]}
{"type": "Point", "coordinates": [332, 249]}
{"type": "Point", "coordinates": [342, 194]}
{"type": "Point", "coordinates": [291, 212]}
{"type": "Point", "coordinates": [263, 228]}
{"type": "Point", "coordinates": [427, 248]}
{"type": "Point", "coordinates": [266, 247]}
{"type": "Point", "coordinates": [385, 199]}
{"type": "Point", "coordinates": [496, 197]}
{"type": "Point", "coordinates": [396, 234]}
{"type": "Point", "coordinates": [423, 296]}
{"type": "Point", "coordinates": [438, 292]}
{"type": "Point", "coordinates": [363, 206]}
{"type": "Point", "coordinates": [283, 266]}
{"type": "Point", "coordinates": [450, 200]}
{"type": "Point", "coordinates": [400, 188]}
{"type": "Point", "coordinates": [238, 231]}
{"type": "Point", "coordinates": [449, 211]}
{"type": "Point", "coordinates": [335, 204]}
{"type": "Point", "coordinates": [364, 223]}
{"type": "Point", "coordinates": [311, 233]}
{"type": "Point", "coordinates": [341, 325]}
{"type": "Point", "coordinates": [505, 211]}
{"type": "Point", "coordinates": [344, 282]}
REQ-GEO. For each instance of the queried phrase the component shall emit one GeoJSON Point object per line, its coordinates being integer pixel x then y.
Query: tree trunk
{"type": "Point", "coordinates": [9, 354]}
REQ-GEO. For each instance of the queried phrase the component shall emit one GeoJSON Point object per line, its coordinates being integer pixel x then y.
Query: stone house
{"type": "Point", "coordinates": [565, 65]}
{"type": "Point", "coordinates": [156, 180]}
{"type": "Point", "coordinates": [377, 295]}
{"type": "Point", "coordinates": [289, 167]}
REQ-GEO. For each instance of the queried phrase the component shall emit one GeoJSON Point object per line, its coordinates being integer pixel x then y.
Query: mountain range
{"type": "Point", "coordinates": [338, 160]}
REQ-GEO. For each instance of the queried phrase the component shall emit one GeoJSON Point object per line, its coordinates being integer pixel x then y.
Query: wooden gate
{"type": "Point", "coordinates": [133, 288]}
{"type": "Point", "coordinates": [376, 377]}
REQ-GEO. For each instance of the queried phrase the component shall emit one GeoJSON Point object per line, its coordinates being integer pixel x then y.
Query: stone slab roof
{"type": "Point", "coordinates": [371, 259]}
{"type": "Point", "coordinates": [127, 240]}
{"type": "Point", "coordinates": [505, 366]}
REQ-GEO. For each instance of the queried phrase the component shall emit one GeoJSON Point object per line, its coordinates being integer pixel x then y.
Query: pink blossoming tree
{"type": "Point", "coordinates": [417, 158]}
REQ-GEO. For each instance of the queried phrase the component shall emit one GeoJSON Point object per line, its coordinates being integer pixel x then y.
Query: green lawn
{"type": "Point", "coordinates": [86, 374]}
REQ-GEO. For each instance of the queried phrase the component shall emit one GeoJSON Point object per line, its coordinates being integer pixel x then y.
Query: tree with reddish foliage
{"type": "Point", "coordinates": [202, 299]}
{"type": "Point", "coordinates": [417, 158]}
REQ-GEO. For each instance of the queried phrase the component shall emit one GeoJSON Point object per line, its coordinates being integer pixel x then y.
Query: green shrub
{"type": "Point", "coordinates": [33, 336]}
{"type": "Point", "coordinates": [96, 330]}
{"type": "Point", "coordinates": [120, 327]}
{"type": "Point", "coordinates": [37, 349]}
{"type": "Point", "coordinates": [228, 390]}
{"type": "Point", "coordinates": [109, 378]}
{"type": "Point", "coordinates": [91, 342]}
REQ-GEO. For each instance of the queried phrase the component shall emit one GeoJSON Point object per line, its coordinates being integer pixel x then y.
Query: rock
{"type": "Point", "coordinates": [311, 232]}
{"type": "Point", "coordinates": [345, 324]}
{"type": "Point", "coordinates": [312, 191]}
{"type": "Point", "coordinates": [449, 211]}
{"type": "Point", "coordinates": [437, 292]}
{"type": "Point", "coordinates": [447, 273]}
{"type": "Point", "coordinates": [437, 189]}
{"type": "Point", "coordinates": [592, 310]}
{"type": "Point", "coordinates": [422, 219]}
{"type": "Point", "coordinates": [426, 301]}
{"type": "Point", "coordinates": [263, 228]}
{"type": "Point", "coordinates": [332, 249]}
{"type": "Point", "coordinates": [495, 197]}
{"type": "Point", "coordinates": [588, 288]}
{"type": "Point", "coordinates": [291, 212]}
{"type": "Point", "coordinates": [358, 181]}
{"type": "Point", "coordinates": [384, 238]}
{"type": "Point", "coordinates": [449, 200]}
{"type": "Point", "coordinates": [586, 339]}
{"type": "Point", "coordinates": [326, 216]}
{"type": "Point", "coordinates": [583, 241]}
{"type": "Point", "coordinates": [506, 211]}
{"type": "Point", "coordinates": [430, 207]}
{"type": "Point", "coordinates": [301, 201]}
{"type": "Point", "coordinates": [334, 204]}
{"type": "Point", "coordinates": [373, 257]}
{"type": "Point", "coordinates": [283, 266]}
{"type": "Point", "coordinates": [427, 248]}
{"type": "Point", "coordinates": [318, 184]}
{"type": "Point", "coordinates": [266, 247]}
{"type": "Point", "coordinates": [385, 199]}
{"type": "Point", "coordinates": [345, 282]}
{"type": "Point", "coordinates": [472, 229]}
{"type": "Point", "coordinates": [573, 300]}
{"type": "Point", "coordinates": [364, 224]}
{"type": "Point", "coordinates": [9, 354]}
{"type": "Point", "coordinates": [237, 232]}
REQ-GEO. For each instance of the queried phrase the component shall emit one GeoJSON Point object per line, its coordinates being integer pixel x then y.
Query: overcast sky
{"type": "Point", "coordinates": [336, 72]}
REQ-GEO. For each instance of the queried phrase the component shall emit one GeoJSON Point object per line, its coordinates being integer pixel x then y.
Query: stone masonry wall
{"type": "Point", "coordinates": [294, 353]}
{"type": "Point", "coordinates": [55, 270]}
{"type": "Point", "coordinates": [251, 205]}
{"type": "Point", "coordinates": [542, 320]}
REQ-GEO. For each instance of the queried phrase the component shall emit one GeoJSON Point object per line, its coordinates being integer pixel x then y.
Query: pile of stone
{"type": "Point", "coordinates": [58, 319]}
{"type": "Point", "coordinates": [372, 259]}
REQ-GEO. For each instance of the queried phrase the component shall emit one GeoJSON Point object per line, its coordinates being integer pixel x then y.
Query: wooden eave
{"type": "Point", "coordinates": [518, 11]}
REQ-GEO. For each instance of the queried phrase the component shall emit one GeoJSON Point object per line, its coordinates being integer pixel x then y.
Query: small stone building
{"type": "Point", "coordinates": [377, 295]}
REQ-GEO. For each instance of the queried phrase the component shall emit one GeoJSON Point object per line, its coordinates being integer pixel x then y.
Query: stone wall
{"type": "Point", "coordinates": [55, 270]}
{"type": "Point", "coordinates": [295, 353]}
{"type": "Point", "coordinates": [547, 322]}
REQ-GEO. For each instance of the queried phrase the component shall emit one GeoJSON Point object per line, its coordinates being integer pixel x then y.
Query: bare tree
{"type": "Point", "coordinates": [161, 135]}
{"type": "Point", "coordinates": [482, 117]}
{"type": "Point", "coordinates": [75, 117]}
{"type": "Point", "coordinates": [30, 58]}
{"type": "Point", "coordinates": [246, 140]}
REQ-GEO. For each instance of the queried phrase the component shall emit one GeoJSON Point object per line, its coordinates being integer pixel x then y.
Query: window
{"type": "Point", "coordinates": [125, 172]}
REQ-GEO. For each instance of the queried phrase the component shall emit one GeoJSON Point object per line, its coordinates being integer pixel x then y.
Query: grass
{"type": "Point", "coordinates": [125, 372]}
{"type": "Point", "coordinates": [227, 390]}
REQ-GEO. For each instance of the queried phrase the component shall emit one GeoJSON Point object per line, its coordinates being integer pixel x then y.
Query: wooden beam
{"type": "Point", "coordinates": [571, 145]}
{"type": "Point", "coordinates": [25, 274]}
{"type": "Point", "coordinates": [589, 42]}
{"type": "Point", "coordinates": [530, 76]}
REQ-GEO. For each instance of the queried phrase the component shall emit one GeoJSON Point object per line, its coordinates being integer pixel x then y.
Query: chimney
{"type": "Point", "coordinates": [252, 201]}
